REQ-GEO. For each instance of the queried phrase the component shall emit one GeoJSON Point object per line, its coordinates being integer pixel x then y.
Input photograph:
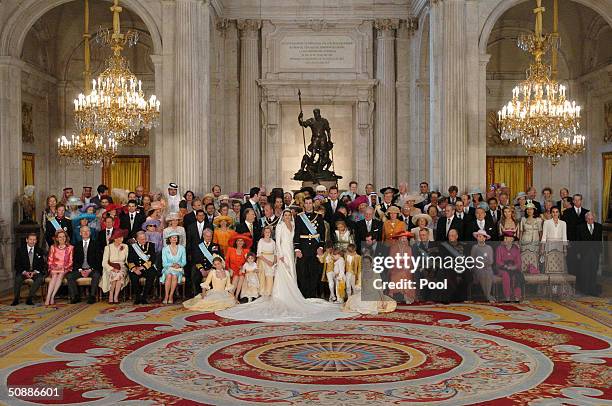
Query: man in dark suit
{"type": "Point", "coordinates": [190, 217]}
{"type": "Point", "coordinates": [104, 236]}
{"type": "Point", "coordinates": [195, 230]}
{"type": "Point", "coordinates": [447, 223]}
{"type": "Point", "coordinates": [462, 214]}
{"type": "Point", "coordinates": [424, 192]}
{"type": "Point", "coordinates": [86, 263]}
{"type": "Point", "coordinates": [102, 191]}
{"type": "Point", "coordinates": [209, 215]}
{"type": "Point", "coordinates": [133, 220]}
{"type": "Point", "coordinates": [532, 197]}
{"type": "Point", "coordinates": [308, 244]}
{"type": "Point", "coordinates": [60, 221]}
{"type": "Point", "coordinates": [252, 203]}
{"type": "Point", "coordinates": [480, 222]}
{"type": "Point", "coordinates": [574, 217]}
{"type": "Point", "coordinates": [331, 205]}
{"type": "Point", "coordinates": [494, 213]}
{"type": "Point", "coordinates": [30, 263]}
{"type": "Point", "coordinates": [251, 226]}
{"type": "Point", "coordinates": [563, 194]}
{"type": "Point", "coordinates": [367, 225]}
{"type": "Point", "coordinates": [201, 254]}
{"type": "Point", "coordinates": [590, 247]}
{"type": "Point", "coordinates": [141, 260]}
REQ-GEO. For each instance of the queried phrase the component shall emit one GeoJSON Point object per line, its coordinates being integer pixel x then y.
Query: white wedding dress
{"type": "Point", "coordinates": [286, 304]}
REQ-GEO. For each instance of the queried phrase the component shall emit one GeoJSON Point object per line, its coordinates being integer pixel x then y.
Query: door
{"type": "Point", "coordinates": [515, 171]}
{"type": "Point", "coordinates": [127, 172]}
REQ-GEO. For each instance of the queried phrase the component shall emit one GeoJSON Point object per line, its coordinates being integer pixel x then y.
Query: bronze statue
{"type": "Point", "coordinates": [318, 156]}
{"type": "Point", "coordinates": [28, 205]}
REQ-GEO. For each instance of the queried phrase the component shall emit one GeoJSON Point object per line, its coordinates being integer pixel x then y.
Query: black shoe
{"type": "Point", "coordinates": [244, 300]}
{"type": "Point", "coordinates": [75, 300]}
{"type": "Point", "coordinates": [144, 301]}
{"type": "Point", "coordinates": [15, 302]}
{"type": "Point", "coordinates": [137, 300]}
{"type": "Point", "coordinates": [29, 302]}
{"type": "Point", "coordinates": [91, 300]}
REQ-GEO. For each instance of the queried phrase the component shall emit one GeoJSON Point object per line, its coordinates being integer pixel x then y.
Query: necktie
{"type": "Point", "coordinates": [31, 256]}
{"type": "Point", "coordinates": [494, 214]}
{"type": "Point", "coordinates": [250, 228]}
{"type": "Point", "coordinates": [460, 216]}
{"type": "Point", "coordinates": [591, 229]}
{"type": "Point", "coordinates": [578, 211]}
{"type": "Point", "coordinates": [369, 226]}
{"type": "Point", "coordinates": [448, 224]}
{"type": "Point", "coordinates": [85, 246]}
{"type": "Point", "coordinates": [108, 234]}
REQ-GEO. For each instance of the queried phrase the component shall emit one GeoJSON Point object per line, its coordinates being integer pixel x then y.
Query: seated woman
{"type": "Point", "coordinates": [508, 263]}
{"type": "Point", "coordinates": [484, 275]}
{"type": "Point", "coordinates": [216, 290]}
{"type": "Point", "coordinates": [172, 221]}
{"type": "Point", "coordinates": [356, 303]}
{"type": "Point", "coordinates": [394, 223]}
{"type": "Point", "coordinates": [174, 259]}
{"type": "Point", "coordinates": [59, 263]}
{"type": "Point", "coordinates": [422, 222]}
{"type": "Point", "coordinates": [402, 273]}
{"type": "Point", "coordinates": [114, 266]}
{"type": "Point", "coordinates": [151, 229]}
{"type": "Point", "coordinates": [239, 246]}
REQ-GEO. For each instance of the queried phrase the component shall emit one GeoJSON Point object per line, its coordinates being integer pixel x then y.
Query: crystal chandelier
{"type": "Point", "coordinates": [116, 106]}
{"type": "Point", "coordinates": [86, 147]}
{"type": "Point", "coordinates": [539, 117]}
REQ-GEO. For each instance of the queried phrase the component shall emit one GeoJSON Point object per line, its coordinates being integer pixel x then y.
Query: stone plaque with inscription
{"type": "Point", "coordinates": [317, 52]}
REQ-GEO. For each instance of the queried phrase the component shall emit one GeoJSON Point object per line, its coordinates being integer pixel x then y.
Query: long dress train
{"type": "Point", "coordinates": [286, 304]}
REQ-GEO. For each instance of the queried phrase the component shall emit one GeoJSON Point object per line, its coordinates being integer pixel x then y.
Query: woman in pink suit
{"type": "Point", "coordinates": [60, 263]}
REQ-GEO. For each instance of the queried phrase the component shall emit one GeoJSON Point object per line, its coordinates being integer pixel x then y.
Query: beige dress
{"type": "Point", "coordinates": [530, 243]}
{"type": "Point", "coordinates": [218, 296]}
{"type": "Point", "coordinates": [119, 255]}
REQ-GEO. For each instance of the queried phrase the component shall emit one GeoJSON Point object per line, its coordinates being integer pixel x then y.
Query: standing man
{"type": "Point", "coordinates": [141, 257]}
{"type": "Point", "coordinates": [252, 203]}
{"type": "Point", "coordinates": [59, 222]}
{"type": "Point", "coordinates": [87, 263]}
{"type": "Point", "coordinates": [574, 217]}
{"type": "Point", "coordinates": [591, 246]}
{"type": "Point", "coordinates": [139, 195]}
{"type": "Point", "coordinates": [86, 196]}
{"type": "Point", "coordinates": [452, 194]}
{"type": "Point", "coordinates": [173, 198]}
{"type": "Point", "coordinates": [102, 191]}
{"type": "Point", "coordinates": [133, 220]}
{"type": "Point", "coordinates": [369, 225]}
{"type": "Point", "coordinates": [332, 204]}
{"type": "Point", "coordinates": [424, 192]}
{"type": "Point", "coordinates": [68, 193]}
{"type": "Point", "coordinates": [30, 263]}
{"type": "Point", "coordinates": [308, 243]}
{"type": "Point", "coordinates": [447, 223]}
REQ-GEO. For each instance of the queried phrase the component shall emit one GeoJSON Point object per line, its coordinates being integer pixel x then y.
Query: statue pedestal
{"type": "Point", "coordinates": [22, 230]}
{"type": "Point", "coordinates": [326, 183]}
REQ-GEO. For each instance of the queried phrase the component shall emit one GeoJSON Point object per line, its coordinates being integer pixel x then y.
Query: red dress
{"type": "Point", "coordinates": [234, 261]}
{"type": "Point", "coordinates": [60, 259]}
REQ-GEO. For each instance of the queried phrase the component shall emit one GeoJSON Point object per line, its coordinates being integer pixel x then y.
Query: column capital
{"type": "Point", "coordinates": [408, 27]}
{"type": "Point", "coordinates": [484, 59]}
{"type": "Point", "coordinates": [386, 26]}
{"type": "Point", "coordinates": [248, 28]}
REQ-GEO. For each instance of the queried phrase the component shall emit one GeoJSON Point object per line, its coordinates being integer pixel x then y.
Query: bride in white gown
{"type": "Point", "coordinates": [286, 304]}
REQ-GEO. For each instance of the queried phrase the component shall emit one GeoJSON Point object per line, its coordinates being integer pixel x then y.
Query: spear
{"type": "Point", "coordinates": [301, 112]}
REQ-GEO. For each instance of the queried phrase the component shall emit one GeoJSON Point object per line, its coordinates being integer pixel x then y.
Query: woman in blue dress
{"type": "Point", "coordinates": [174, 259]}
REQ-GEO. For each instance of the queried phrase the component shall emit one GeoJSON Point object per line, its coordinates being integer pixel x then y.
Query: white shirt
{"type": "Point", "coordinates": [368, 225]}
{"type": "Point", "coordinates": [449, 221]}
{"type": "Point", "coordinates": [200, 227]}
{"type": "Point", "coordinates": [554, 232]}
{"type": "Point", "coordinates": [334, 204]}
{"type": "Point", "coordinates": [481, 224]}
{"type": "Point", "coordinates": [109, 233]}
{"type": "Point", "coordinates": [578, 209]}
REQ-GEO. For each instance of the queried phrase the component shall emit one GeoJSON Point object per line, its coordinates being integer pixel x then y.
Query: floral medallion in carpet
{"type": "Point", "coordinates": [539, 354]}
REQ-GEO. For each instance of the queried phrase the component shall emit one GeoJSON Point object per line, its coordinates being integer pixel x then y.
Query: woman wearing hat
{"type": "Point", "coordinates": [408, 209]}
{"type": "Point", "coordinates": [111, 211]}
{"type": "Point", "coordinates": [239, 246]}
{"type": "Point", "coordinates": [402, 274]}
{"type": "Point", "coordinates": [477, 199]}
{"type": "Point", "coordinates": [59, 263]}
{"type": "Point", "coordinates": [174, 259]}
{"type": "Point", "coordinates": [72, 205]}
{"type": "Point", "coordinates": [508, 263]}
{"type": "Point", "coordinates": [520, 203]}
{"type": "Point", "coordinates": [172, 226]}
{"type": "Point", "coordinates": [394, 225]}
{"type": "Point", "coordinates": [531, 234]}
{"type": "Point", "coordinates": [151, 229]}
{"type": "Point", "coordinates": [358, 208]}
{"type": "Point", "coordinates": [422, 222]}
{"type": "Point", "coordinates": [484, 275]}
{"type": "Point", "coordinates": [114, 266]}
{"type": "Point", "coordinates": [216, 290]}
{"type": "Point", "coordinates": [83, 219]}
{"type": "Point", "coordinates": [223, 233]}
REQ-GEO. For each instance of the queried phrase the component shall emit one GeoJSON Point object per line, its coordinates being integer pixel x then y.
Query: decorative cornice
{"type": "Point", "coordinates": [248, 28]}
{"type": "Point", "coordinates": [316, 24]}
{"type": "Point", "coordinates": [386, 24]}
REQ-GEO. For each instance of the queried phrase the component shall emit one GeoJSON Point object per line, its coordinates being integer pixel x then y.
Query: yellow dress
{"type": "Point", "coordinates": [218, 296]}
{"type": "Point", "coordinates": [222, 238]}
{"type": "Point", "coordinates": [392, 227]}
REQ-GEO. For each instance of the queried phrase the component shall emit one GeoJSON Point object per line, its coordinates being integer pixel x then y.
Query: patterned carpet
{"type": "Point", "coordinates": [542, 353]}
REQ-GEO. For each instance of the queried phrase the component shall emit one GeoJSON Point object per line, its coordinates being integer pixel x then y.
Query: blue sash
{"type": "Point", "coordinates": [55, 224]}
{"type": "Point", "coordinates": [311, 229]}
{"type": "Point", "coordinates": [140, 252]}
{"type": "Point", "coordinates": [206, 252]}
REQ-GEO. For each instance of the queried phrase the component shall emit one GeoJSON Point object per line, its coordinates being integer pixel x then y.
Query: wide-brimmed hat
{"type": "Point", "coordinates": [223, 197]}
{"type": "Point", "coordinates": [416, 197]}
{"type": "Point", "coordinates": [393, 209]}
{"type": "Point", "coordinates": [87, 206]}
{"type": "Point", "coordinates": [389, 188]}
{"type": "Point", "coordinates": [151, 222]}
{"type": "Point", "coordinates": [173, 216]}
{"type": "Point", "coordinates": [530, 205]}
{"type": "Point", "coordinates": [208, 196]}
{"type": "Point", "coordinates": [475, 191]}
{"type": "Point", "coordinates": [74, 201]}
{"type": "Point", "coordinates": [401, 234]}
{"type": "Point", "coordinates": [359, 200]}
{"type": "Point", "coordinates": [481, 232]}
{"type": "Point", "coordinates": [112, 206]}
{"type": "Point", "coordinates": [90, 217]}
{"type": "Point", "coordinates": [416, 218]}
{"type": "Point", "coordinates": [172, 233]}
{"type": "Point", "coordinates": [119, 233]}
{"type": "Point", "coordinates": [320, 188]}
{"type": "Point", "coordinates": [248, 241]}
{"type": "Point", "coordinates": [217, 220]}
{"type": "Point", "coordinates": [519, 195]}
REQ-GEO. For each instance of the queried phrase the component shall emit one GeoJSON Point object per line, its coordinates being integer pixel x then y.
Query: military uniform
{"type": "Point", "coordinates": [149, 272]}
{"type": "Point", "coordinates": [201, 265]}
{"type": "Point", "coordinates": [308, 267]}
{"type": "Point", "coordinates": [66, 225]}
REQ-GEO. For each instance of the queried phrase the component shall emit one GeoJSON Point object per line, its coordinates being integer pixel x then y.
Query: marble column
{"type": "Point", "coordinates": [385, 142]}
{"type": "Point", "coordinates": [231, 98]}
{"type": "Point", "coordinates": [250, 131]}
{"type": "Point", "coordinates": [449, 116]}
{"type": "Point", "coordinates": [192, 83]}
{"type": "Point", "coordinates": [10, 156]}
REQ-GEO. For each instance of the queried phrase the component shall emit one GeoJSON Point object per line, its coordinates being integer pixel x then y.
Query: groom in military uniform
{"type": "Point", "coordinates": [308, 241]}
